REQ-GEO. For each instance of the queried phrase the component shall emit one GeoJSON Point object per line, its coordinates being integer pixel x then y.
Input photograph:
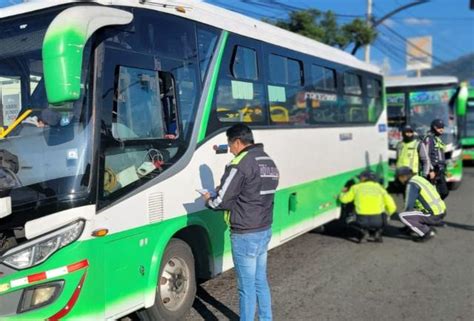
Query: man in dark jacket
{"type": "Point", "coordinates": [246, 193]}
{"type": "Point", "coordinates": [437, 163]}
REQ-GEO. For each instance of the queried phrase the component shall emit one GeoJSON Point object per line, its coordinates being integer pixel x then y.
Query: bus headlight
{"type": "Point", "coordinates": [39, 296]}
{"type": "Point", "coordinates": [38, 250]}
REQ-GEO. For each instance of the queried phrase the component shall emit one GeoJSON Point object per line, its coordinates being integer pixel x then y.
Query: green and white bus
{"type": "Point", "coordinates": [417, 101]}
{"type": "Point", "coordinates": [466, 126]}
{"type": "Point", "coordinates": [122, 111]}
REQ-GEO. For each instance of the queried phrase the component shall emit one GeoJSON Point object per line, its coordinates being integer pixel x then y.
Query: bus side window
{"type": "Point", "coordinates": [239, 96]}
{"type": "Point", "coordinates": [323, 98]}
{"type": "Point", "coordinates": [354, 109]}
{"type": "Point", "coordinates": [374, 96]}
{"type": "Point", "coordinates": [286, 95]}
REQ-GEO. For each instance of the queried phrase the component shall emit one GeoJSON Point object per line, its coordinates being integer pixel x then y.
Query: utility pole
{"type": "Point", "coordinates": [375, 22]}
{"type": "Point", "coordinates": [369, 24]}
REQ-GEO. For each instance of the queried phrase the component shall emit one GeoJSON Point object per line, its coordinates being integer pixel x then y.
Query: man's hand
{"type": "Point", "coordinates": [206, 196]}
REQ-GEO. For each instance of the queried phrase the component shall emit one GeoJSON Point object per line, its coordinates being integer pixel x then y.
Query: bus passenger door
{"type": "Point", "coordinates": [126, 83]}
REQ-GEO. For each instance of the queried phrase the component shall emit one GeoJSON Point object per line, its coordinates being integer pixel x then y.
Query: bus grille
{"type": "Point", "coordinates": [155, 207]}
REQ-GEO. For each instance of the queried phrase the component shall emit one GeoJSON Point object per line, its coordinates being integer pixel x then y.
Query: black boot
{"type": "Point", "coordinates": [378, 236]}
{"type": "Point", "coordinates": [362, 236]}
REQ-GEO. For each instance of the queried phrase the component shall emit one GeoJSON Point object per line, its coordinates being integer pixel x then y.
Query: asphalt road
{"type": "Point", "coordinates": [326, 276]}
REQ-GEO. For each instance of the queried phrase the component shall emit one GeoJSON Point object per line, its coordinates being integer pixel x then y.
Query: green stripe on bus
{"type": "Point", "coordinates": [212, 88]}
{"type": "Point", "coordinates": [123, 267]}
{"type": "Point", "coordinates": [467, 141]}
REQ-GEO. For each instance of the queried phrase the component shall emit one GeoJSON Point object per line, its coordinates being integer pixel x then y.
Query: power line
{"type": "Point", "coordinates": [398, 53]}
{"type": "Point", "coordinates": [446, 44]}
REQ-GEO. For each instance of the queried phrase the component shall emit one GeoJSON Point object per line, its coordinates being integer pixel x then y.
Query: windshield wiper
{"type": "Point", "coordinates": [4, 133]}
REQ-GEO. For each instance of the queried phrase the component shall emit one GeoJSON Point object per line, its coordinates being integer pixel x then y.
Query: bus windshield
{"type": "Point", "coordinates": [47, 156]}
{"type": "Point", "coordinates": [470, 119]}
{"type": "Point", "coordinates": [426, 105]}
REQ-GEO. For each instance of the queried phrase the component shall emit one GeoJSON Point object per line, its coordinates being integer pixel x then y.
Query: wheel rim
{"type": "Point", "coordinates": [174, 283]}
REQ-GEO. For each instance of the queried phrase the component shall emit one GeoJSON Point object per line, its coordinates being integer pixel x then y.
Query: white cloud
{"type": "Point", "coordinates": [389, 23]}
{"type": "Point", "coordinates": [417, 22]}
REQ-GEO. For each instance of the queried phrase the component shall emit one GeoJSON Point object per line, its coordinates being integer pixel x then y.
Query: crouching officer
{"type": "Point", "coordinates": [423, 205]}
{"type": "Point", "coordinates": [371, 200]}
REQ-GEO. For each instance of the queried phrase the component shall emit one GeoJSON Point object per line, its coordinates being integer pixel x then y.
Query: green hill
{"type": "Point", "coordinates": [463, 68]}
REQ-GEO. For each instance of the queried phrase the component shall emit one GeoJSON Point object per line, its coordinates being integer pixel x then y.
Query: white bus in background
{"type": "Point", "coordinates": [134, 98]}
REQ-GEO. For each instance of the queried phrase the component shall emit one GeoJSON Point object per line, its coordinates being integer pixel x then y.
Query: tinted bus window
{"type": "Point", "coordinates": [323, 78]}
{"type": "Point", "coordinates": [353, 102]}
{"type": "Point", "coordinates": [352, 84]}
{"type": "Point", "coordinates": [286, 94]}
{"type": "Point", "coordinates": [285, 70]}
{"type": "Point", "coordinates": [374, 93]}
{"type": "Point", "coordinates": [239, 96]}
{"type": "Point", "coordinates": [206, 40]}
{"type": "Point", "coordinates": [322, 100]}
{"type": "Point", "coordinates": [244, 65]}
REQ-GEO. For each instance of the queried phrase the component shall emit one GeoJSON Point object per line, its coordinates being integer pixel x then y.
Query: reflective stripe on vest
{"type": "Point", "coordinates": [235, 161]}
{"type": "Point", "coordinates": [439, 143]}
{"type": "Point", "coordinates": [430, 195]}
{"type": "Point", "coordinates": [440, 147]}
{"type": "Point", "coordinates": [408, 156]}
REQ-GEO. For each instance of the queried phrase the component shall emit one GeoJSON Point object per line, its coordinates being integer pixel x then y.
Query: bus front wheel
{"type": "Point", "coordinates": [176, 286]}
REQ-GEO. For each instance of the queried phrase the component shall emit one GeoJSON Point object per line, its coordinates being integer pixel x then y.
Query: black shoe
{"type": "Point", "coordinates": [442, 224]}
{"type": "Point", "coordinates": [378, 236]}
{"type": "Point", "coordinates": [425, 237]}
{"type": "Point", "coordinates": [362, 237]}
{"type": "Point", "coordinates": [405, 230]}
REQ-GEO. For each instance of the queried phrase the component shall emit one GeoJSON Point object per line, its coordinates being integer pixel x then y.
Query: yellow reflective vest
{"type": "Point", "coordinates": [430, 195]}
{"type": "Point", "coordinates": [407, 155]}
{"type": "Point", "coordinates": [370, 198]}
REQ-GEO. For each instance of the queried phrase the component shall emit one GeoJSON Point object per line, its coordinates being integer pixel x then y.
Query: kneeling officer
{"type": "Point", "coordinates": [423, 205]}
{"type": "Point", "coordinates": [371, 201]}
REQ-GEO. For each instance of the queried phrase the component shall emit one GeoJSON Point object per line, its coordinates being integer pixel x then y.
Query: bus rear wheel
{"type": "Point", "coordinates": [454, 185]}
{"type": "Point", "coordinates": [176, 288]}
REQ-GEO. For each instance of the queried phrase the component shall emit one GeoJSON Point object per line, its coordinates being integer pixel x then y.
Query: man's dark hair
{"type": "Point", "coordinates": [242, 132]}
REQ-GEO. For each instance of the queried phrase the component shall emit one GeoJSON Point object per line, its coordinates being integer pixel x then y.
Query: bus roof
{"type": "Point", "coordinates": [221, 18]}
{"type": "Point", "coordinates": [419, 81]}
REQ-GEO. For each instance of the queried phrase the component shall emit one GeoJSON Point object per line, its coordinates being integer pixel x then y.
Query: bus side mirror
{"type": "Point", "coordinates": [461, 101]}
{"type": "Point", "coordinates": [63, 47]}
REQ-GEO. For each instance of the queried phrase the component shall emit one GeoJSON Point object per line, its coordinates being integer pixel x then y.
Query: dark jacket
{"type": "Point", "coordinates": [247, 190]}
{"type": "Point", "coordinates": [435, 150]}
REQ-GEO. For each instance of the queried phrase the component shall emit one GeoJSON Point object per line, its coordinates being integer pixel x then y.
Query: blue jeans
{"type": "Point", "coordinates": [249, 252]}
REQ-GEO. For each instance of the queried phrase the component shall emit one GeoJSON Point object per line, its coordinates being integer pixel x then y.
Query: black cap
{"type": "Point", "coordinates": [404, 170]}
{"type": "Point", "coordinates": [407, 128]}
{"type": "Point", "coordinates": [367, 174]}
{"type": "Point", "coordinates": [437, 123]}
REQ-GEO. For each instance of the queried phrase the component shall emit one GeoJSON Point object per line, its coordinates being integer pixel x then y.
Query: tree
{"type": "Point", "coordinates": [323, 27]}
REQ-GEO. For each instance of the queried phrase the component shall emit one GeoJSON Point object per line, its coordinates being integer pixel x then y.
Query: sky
{"type": "Point", "coordinates": [449, 22]}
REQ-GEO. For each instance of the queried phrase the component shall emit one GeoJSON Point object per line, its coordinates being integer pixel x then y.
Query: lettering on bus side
{"type": "Point", "coordinates": [345, 136]}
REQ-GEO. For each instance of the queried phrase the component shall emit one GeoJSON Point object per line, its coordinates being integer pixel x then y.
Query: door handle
{"type": "Point", "coordinates": [292, 202]}
{"type": "Point", "coordinates": [221, 149]}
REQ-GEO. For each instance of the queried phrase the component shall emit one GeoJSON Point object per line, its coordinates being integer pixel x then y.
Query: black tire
{"type": "Point", "coordinates": [177, 253]}
{"type": "Point", "coordinates": [454, 185]}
